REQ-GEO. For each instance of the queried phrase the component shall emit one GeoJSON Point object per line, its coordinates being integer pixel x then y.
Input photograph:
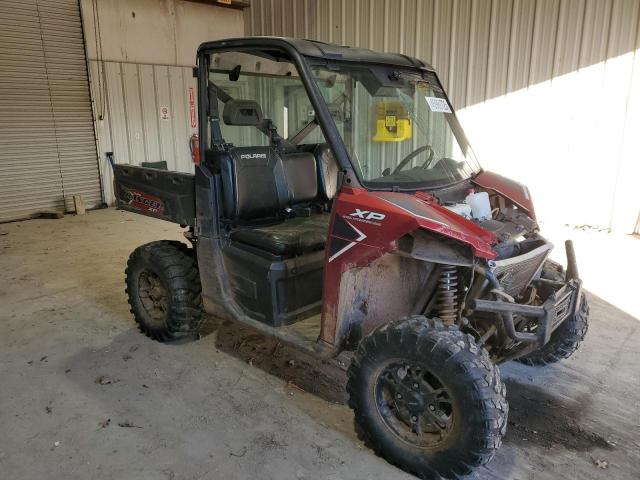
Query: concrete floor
{"type": "Point", "coordinates": [233, 405]}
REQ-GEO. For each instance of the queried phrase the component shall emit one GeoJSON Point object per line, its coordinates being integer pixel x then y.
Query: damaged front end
{"type": "Point", "coordinates": [530, 300]}
{"type": "Point", "coordinates": [512, 303]}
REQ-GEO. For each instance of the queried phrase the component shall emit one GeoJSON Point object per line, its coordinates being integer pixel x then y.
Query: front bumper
{"type": "Point", "coordinates": [562, 303]}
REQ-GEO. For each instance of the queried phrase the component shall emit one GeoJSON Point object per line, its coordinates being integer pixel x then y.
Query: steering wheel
{"type": "Point", "coordinates": [414, 154]}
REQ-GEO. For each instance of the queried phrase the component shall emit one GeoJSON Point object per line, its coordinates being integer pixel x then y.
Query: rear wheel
{"type": "Point", "coordinates": [427, 398]}
{"type": "Point", "coordinates": [163, 288]}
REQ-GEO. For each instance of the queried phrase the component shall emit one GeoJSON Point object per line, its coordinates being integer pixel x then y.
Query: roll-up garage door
{"type": "Point", "coordinates": [47, 142]}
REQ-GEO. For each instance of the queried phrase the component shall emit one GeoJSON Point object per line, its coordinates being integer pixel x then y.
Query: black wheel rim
{"type": "Point", "coordinates": [414, 404]}
{"type": "Point", "coordinates": [153, 296]}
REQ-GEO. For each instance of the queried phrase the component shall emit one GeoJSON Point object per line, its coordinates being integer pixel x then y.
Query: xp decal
{"type": "Point", "coordinates": [366, 216]}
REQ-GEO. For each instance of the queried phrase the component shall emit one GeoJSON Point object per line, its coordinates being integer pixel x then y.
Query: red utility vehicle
{"type": "Point", "coordinates": [338, 206]}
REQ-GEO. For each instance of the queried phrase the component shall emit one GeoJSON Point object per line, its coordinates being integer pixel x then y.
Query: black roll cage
{"type": "Point", "coordinates": [260, 45]}
{"type": "Point", "coordinates": [305, 54]}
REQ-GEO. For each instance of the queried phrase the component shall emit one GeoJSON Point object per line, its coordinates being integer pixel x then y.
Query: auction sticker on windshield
{"type": "Point", "coordinates": [438, 104]}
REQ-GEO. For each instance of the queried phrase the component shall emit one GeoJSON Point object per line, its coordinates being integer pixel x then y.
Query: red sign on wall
{"type": "Point", "coordinates": [192, 107]}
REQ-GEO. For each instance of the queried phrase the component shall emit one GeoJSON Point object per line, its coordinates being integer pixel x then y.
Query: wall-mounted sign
{"type": "Point", "coordinates": [192, 107]}
{"type": "Point", "coordinates": [164, 113]}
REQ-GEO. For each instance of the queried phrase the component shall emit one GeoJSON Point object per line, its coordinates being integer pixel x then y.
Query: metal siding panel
{"type": "Point", "coordinates": [337, 26]}
{"type": "Point", "coordinates": [179, 121]}
{"type": "Point", "coordinates": [393, 35]}
{"type": "Point", "coordinates": [498, 59]}
{"type": "Point", "coordinates": [133, 113]}
{"type": "Point", "coordinates": [460, 37]}
{"type": "Point", "coordinates": [545, 28]}
{"type": "Point", "coordinates": [150, 107]}
{"type": "Point", "coordinates": [377, 26]}
{"type": "Point", "coordinates": [424, 36]}
{"type": "Point", "coordinates": [478, 52]}
{"type": "Point", "coordinates": [595, 32]}
{"type": "Point", "coordinates": [102, 129]}
{"type": "Point", "coordinates": [441, 45]}
{"type": "Point", "coordinates": [364, 24]}
{"type": "Point", "coordinates": [350, 12]}
{"type": "Point", "coordinates": [163, 98]}
{"type": "Point", "coordinates": [117, 115]}
{"type": "Point", "coordinates": [569, 36]}
{"type": "Point", "coordinates": [520, 44]}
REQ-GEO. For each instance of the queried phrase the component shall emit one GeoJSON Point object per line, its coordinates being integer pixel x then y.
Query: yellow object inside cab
{"type": "Point", "coordinates": [392, 123]}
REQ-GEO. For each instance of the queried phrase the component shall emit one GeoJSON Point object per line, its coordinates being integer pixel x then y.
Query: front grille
{"type": "Point", "coordinates": [515, 273]}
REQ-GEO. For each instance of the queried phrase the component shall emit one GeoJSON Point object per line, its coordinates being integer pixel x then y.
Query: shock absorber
{"type": "Point", "coordinates": [447, 301]}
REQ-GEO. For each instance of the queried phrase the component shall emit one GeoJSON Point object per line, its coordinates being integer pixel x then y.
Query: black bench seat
{"type": "Point", "coordinates": [294, 236]}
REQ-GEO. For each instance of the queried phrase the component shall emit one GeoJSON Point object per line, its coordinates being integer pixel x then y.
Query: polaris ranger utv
{"type": "Point", "coordinates": [338, 206]}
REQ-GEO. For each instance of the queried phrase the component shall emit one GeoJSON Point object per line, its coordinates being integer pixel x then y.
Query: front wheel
{"type": "Point", "coordinates": [564, 341]}
{"type": "Point", "coordinates": [427, 398]}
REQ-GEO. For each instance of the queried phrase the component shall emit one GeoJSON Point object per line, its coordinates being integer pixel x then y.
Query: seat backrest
{"type": "Point", "coordinates": [327, 168]}
{"type": "Point", "coordinates": [253, 183]}
{"type": "Point", "coordinates": [242, 113]}
{"type": "Point", "coordinates": [302, 177]}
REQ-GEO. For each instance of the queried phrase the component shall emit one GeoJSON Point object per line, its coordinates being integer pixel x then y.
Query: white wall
{"type": "Point", "coordinates": [148, 49]}
{"type": "Point", "coordinates": [160, 32]}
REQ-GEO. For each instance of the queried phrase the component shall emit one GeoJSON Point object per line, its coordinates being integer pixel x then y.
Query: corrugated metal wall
{"type": "Point", "coordinates": [548, 90]}
{"type": "Point", "coordinates": [129, 115]}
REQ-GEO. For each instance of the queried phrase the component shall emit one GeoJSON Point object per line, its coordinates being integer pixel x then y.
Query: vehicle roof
{"type": "Point", "coordinates": [322, 50]}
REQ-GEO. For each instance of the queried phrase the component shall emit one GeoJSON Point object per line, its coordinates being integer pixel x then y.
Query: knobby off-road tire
{"type": "Point", "coordinates": [566, 339]}
{"type": "Point", "coordinates": [441, 359]}
{"type": "Point", "coordinates": [163, 288]}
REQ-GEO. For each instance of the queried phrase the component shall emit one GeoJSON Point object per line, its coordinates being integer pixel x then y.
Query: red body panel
{"type": "Point", "coordinates": [365, 225]}
{"type": "Point", "coordinates": [514, 191]}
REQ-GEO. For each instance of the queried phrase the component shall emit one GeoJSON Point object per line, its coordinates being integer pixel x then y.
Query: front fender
{"type": "Point", "coordinates": [510, 189]}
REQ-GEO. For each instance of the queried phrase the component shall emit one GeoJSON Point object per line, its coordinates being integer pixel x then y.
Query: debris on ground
{"type": "Point", "coordinates": [126, 357]}
{"type": "Point", "coordinates": [290, 384]}
{"type": "Point", "coordinates": [104, 423]}
{"type": "Point", "coordinates": [239, 455]}
{"type": "Point", "coordinates": [600, 463]}
{"type": "Point", "coordinates": [104, 380]}
{"type": "Point", "coordinates": [49, 408]}
{"type": "Point", "coordinates": [44, 358]}
{"type": "Point", "coordinates": [128, 424]}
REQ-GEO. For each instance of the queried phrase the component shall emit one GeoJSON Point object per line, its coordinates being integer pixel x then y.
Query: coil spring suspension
{"type": "Point", "coordinates": [447, 301]}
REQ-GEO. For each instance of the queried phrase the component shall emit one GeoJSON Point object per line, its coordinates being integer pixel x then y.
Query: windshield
{"type": "Point", "coordinates": [398, 127]}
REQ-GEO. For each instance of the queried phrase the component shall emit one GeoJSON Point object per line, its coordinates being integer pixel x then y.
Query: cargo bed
{"type": "Point", "coordinates": [156, 193]}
